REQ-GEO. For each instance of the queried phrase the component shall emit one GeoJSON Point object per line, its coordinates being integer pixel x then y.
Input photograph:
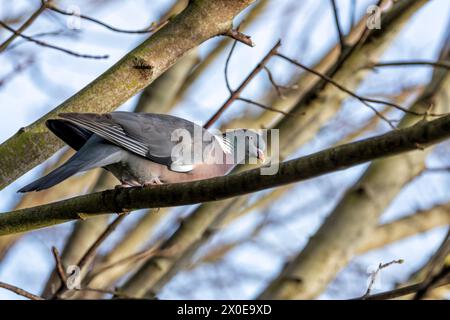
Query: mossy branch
{"type": "Point", "coordinates": [338, 158]}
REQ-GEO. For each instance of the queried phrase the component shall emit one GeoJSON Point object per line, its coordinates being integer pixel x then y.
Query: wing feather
{"type": "Point", "coordinates": [145, 134]}
{"type": "Point", "coordinates": [105, 128]}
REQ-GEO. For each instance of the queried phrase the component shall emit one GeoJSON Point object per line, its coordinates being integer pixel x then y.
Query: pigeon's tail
{"type": "Point", "coordinates": [94, 154]}
{"type": "Point", "coordinates": [56, 176]}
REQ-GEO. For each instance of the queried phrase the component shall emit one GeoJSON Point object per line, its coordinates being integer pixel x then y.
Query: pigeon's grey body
{"type": "Point", "coordinates": [135, 147]}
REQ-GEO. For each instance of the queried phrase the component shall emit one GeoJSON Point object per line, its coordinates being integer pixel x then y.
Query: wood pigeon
{"type": "Point", "coordinates": [145, 148]}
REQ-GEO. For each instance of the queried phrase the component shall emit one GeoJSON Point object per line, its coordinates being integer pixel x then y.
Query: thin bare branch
{"type": "Point", "coordinates": [87, 257]}
{"type": "Point", "coordinates": [20, 291]}
{"type": "Point", "coordinates": [374, 274]}
{"type": "Point", "coordinates": [234, 94]}
{"type": "Point", "coordinates": [258, 104]}
{"type": "Point", "coordinates": [278, 88]}
{"type": "Point", "coordinates": [436, 169]}
{"type": "Point", "coordinates": [144, 254]}
{"type": "Point", "coordinates": [338, 25]}
{"type": "Point", "coordinates": [22, 28]}
{"type": "Point", "coordinates": [411, 63]}
{"type": "Point", "coordinates": [239, 36]}
{"type": "Point", "coordinates": [59, 265]}
{"type": "Point", "coordinates": [152, 28]}
{"type": "Point", "coordinates": [396, 293]}
{"type": "Point", "coordinates": [51, 46]}
{"type": "Point", "coordinates": [364, 100]}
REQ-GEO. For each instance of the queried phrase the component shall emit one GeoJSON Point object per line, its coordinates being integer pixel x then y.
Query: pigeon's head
{"type": "Point", "coordinates": [246, 143]}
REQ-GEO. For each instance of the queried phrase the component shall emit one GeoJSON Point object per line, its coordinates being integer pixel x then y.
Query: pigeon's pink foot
{"type": "Point", "coordinates": [155, 181]}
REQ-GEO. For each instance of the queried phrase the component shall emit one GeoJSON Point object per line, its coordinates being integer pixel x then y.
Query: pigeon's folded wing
{"type": "Point", "coordinates": [145, 134]}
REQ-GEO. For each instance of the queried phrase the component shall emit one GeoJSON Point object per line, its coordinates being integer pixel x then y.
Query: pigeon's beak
{"type": "Point", "coordinates": [261, 156]}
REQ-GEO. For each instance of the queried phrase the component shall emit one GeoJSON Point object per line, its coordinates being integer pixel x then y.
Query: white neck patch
{"type": "Point", "coordinates": [224, 144]}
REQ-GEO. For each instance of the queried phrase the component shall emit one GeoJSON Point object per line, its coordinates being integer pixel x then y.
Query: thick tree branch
{"type": "Point", "coordinates": [326, 161]}
{"type": "Point", "coordinates": [408, 226]}
{"type": "Point", "coordinates": [200, 21]}
{"type": "Point", "coordinates": [215, 53]}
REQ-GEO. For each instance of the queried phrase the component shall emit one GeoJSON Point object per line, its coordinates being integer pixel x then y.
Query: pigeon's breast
{"type": "Point", "coordinates": [135, 170]}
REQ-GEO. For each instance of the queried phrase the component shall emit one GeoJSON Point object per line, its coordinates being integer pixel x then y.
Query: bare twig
{"type": "Point", "coordinates": [20, 291]}
{"type": "Point", "coordinates": [412, 63]}
{"type": "Point", "coordinates": [338, 25]}
{"type": "Point", "coordinates": [51, 46]}
{"type": "Point", "coordinates": [436, 169]}
{"type": "Point", "coordinates": [364, 100]}
{"type": "Point", "coordinates": [152, 28]}
{"type": "Point", "coordinates": [227, 65]}
{"type": "Point", "coordinates": [392, 294]}
{"type": "Point", "coordinates": [437, 268]}
{"type": "Point", "coordinates": [374, 274]}
{"type": "Point", "coordinates": [278, 88]}
{"type": "Point", "coordinates": [258, 104]}
{"type": "Point", "coordinates": [93, 249]}
{"type": "Point", "coordinates": [239, 36]}
{"type": "Point", "coordinates": [236, 93]}
{"type": "Point", "coordinates": [22, 28]}
{"type": "Point", "coordinates": [59, 266]}
{"type": "Point", "coordinates": [41, 35]}
{"type": "Point", "coordinates": [86, 258]}
{"type": "Point", "coordinates": [144, 254]}
{"type": "Point", "coordinates": [274, 84]}
{"type": "Point", "coordinates": [380, 115]}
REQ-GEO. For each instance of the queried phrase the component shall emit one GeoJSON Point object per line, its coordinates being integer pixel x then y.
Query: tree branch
{"type": "Point", "coordinates": [338, 25]}
{"type": "Point", "coordinates": [239, 36]}
{"type": "Point", "coordinates": [152, 28]}
{"type": "Point", "coordinates": [364, 100]}
{"type": "Point", "coordinates": [89, 254]}
{"type": "Point", "coordinates": [407, 226]}
{"type": "Point", "coordinates": [22, 28]}
{"type": "Point", "coordinates": [392, 294]}
{"type": "Point", "coordinates": [20, 291]}
{"type": "Point", "coordinates": [412, 63]}
{"type": "Point", "coordinates": [235, 94]}
{"type": "Point", "coordinates": [51, 46]}
{"type": "Point", "coordinates": [329, 160]}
